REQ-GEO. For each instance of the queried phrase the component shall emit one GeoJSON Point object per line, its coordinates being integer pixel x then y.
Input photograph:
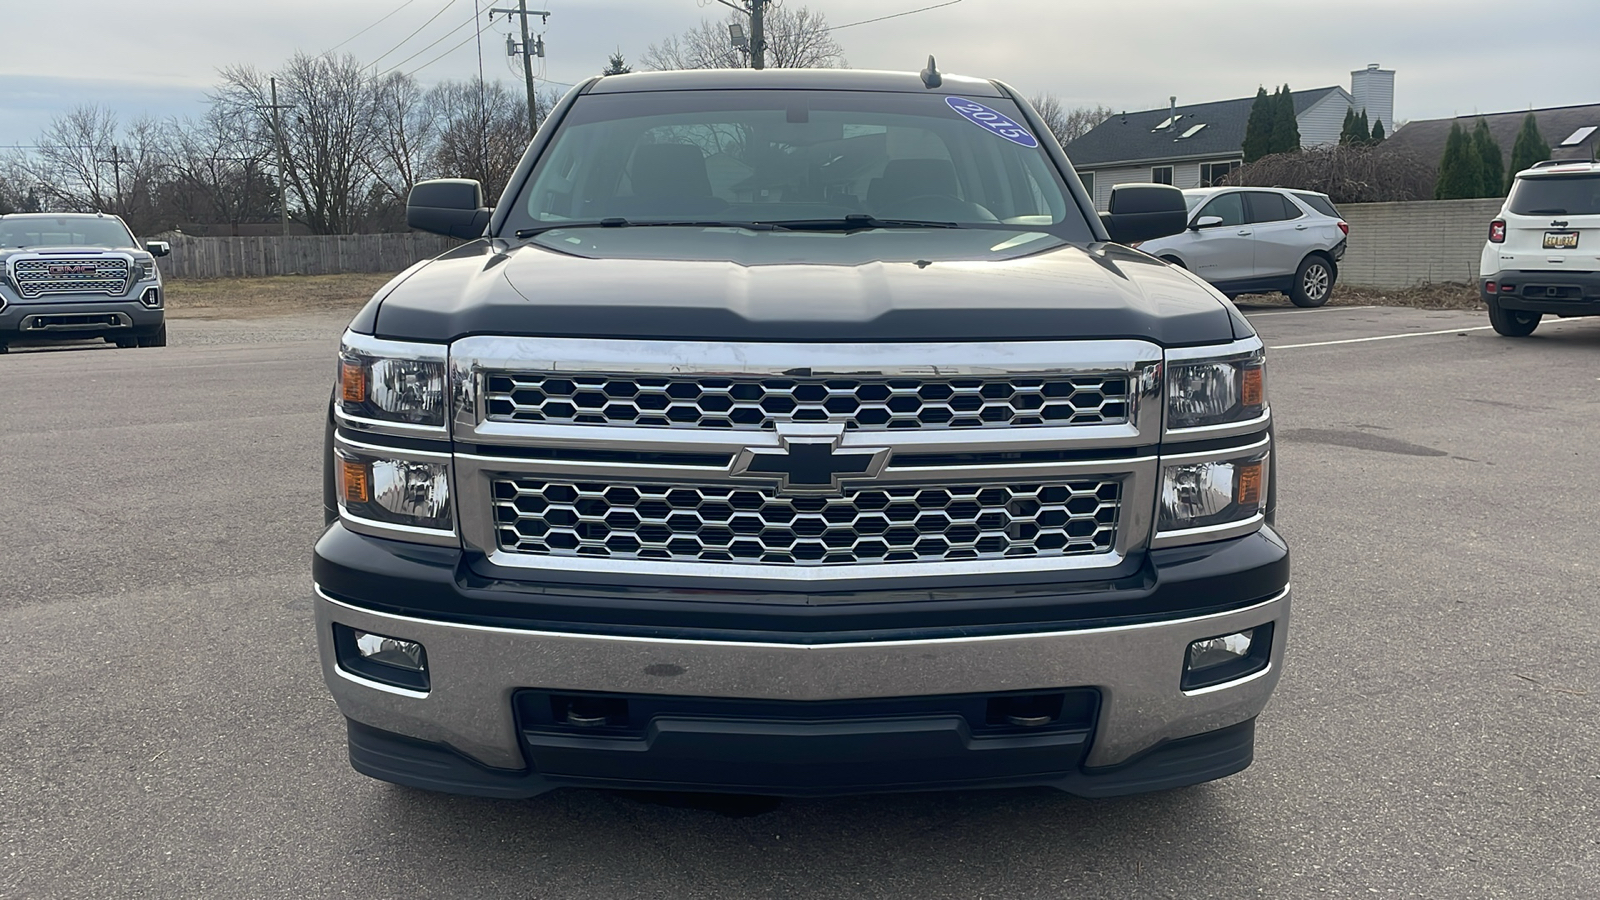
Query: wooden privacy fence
{"type": "Point", "coordinates": [318, 254]}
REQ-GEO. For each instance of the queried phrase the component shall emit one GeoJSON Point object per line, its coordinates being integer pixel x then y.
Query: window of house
{"type": "Point", "coordinates": [1088, 182]}
{"type": "Point", "coordinates": [1212, 173]}
{"type": "Point", "coordinates": [1161, 174]}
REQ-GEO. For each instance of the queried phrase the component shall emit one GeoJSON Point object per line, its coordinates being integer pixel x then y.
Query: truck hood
{"type": "Point", "coordinates": [734, 284]}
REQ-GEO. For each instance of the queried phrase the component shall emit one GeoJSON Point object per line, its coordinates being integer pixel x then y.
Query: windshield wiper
{"type": "Point", "coordinates": [858, 222]}
{"type": "Point", "coordinates": [618, 222]}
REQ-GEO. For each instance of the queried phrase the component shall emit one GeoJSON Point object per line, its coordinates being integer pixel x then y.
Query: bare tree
{"type": "Point", "coordinates": [482, 131]}
{"type": "Point", "coordinates": [86, 162]}
{"type": "Point", "coordinates": [408, 134]}
{"type": "Point", "coordinates": [327, 136]}
{"type": "Point", "coordinates": [1067, 124]}
{"type": "Point", "coordinates": [797, 38]}
{"type": "Point", "coordinates": [216, 170]}
{"type": "Point", "coordinates": [1346, 173]}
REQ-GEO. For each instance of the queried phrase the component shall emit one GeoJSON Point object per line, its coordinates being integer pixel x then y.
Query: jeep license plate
{"type": "Point", "coordinates": [1561, 240]}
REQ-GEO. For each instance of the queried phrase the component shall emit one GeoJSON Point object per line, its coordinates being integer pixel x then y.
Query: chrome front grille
{"type": "Point", "coordinates": [729, 524]}
{"type": "Point", "coordinates": [71, 275]}
{"type": "Point", "coordinates": [754, 404]}
{"type": "Point", "coordinates": [805, 463]}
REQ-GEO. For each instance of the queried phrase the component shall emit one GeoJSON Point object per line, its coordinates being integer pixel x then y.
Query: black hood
{"type": "Point", "coordinates": [732, 284]}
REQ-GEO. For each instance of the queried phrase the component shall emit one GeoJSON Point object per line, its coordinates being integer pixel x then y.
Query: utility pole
{"type": "Point", "coordinates": [758, 34]}
{"type": "Point", "coordinates": [755, 43]}
{"type": "Point", "coordinates": [116, 168]}
{"type": "Point", "coordinates": [528, 49]}
{"type": "Point", "coordinates": [277, 138]}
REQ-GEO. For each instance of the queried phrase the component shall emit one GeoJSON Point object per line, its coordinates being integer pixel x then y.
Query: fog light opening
{"type": "Point", "coordinates": [1229, 657]}
{"type": "Point", "coordinates": [378, 657]}
{"type": "Point", "coordinates": [151, 298]}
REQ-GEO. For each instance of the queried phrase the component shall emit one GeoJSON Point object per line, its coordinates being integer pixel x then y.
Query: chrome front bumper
{"type": "Point", "coordinates": [474, 671]}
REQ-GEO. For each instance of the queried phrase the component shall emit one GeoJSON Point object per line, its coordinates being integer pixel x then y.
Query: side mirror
{"type": "Point", "coordinates": [158, 248]}
{"type": "Point", "coordinates": [1144, 212]}
{"type": "Point", "coordinates": [1206, 222]}
{"type": "Point", "coordinates": [448, 206]}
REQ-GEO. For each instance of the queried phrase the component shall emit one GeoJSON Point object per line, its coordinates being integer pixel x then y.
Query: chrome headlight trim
{"type": "Point", "coordinates": [1250, 349]}
{"type": "Point", "coordinates": [366, 350]}
{"type": "Point", "coordinates": [1258, 450]}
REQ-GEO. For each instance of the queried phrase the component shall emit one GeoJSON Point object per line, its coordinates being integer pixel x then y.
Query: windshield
{"type": "Point", "coordinates": [746, 156]}
{"type": "Point", "coordinates": [64, 231]}
{"type": "Point", "coordinates": [1556, 195]}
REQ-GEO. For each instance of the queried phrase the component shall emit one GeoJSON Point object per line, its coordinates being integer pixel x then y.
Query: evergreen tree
{"type": "Point", "coordinates": [1528, 149]}
{"type": "Point", "coordinates": [1347, 131]}
{"type": "Point", "coordinates": [1489, 159]}
{"type": "Point", "coordinates": [1377, 132]}
{"type": "Point", "coordinates": [1460, 170]}
{"type": "Point", "coordinates": [1285, 130]}
{"type": "Point", "coordinates": [617, 65]}
{"type": "Point", "coordinates": [1258, 130]}
{"type": "Point", "coordinates": [1363, 132]}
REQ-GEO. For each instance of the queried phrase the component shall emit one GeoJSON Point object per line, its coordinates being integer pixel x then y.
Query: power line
{"type": "Point", "coordinates": [447, 5]}
{"type": "Point", "coordinates": [894, 15]}
{"type": "Point", "coordinates": [463, 43]}
{"type": "Point", "coordinates": [436, 42]}
{"type": "Point", "coordinates": [372, 26]}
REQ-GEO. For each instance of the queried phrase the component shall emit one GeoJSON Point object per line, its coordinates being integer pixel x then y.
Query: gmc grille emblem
{"type": "Point", "coordinates": [79, 269]}
{"type": "Point", "coordinates": [810, 460]}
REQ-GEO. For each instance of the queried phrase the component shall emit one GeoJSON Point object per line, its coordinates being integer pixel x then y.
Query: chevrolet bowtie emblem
{"type": "Point", "coordinates": [810, 460]}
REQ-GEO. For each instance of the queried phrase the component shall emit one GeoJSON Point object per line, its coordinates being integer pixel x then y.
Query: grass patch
{"type": "Point", "coordinates": [248, 298]}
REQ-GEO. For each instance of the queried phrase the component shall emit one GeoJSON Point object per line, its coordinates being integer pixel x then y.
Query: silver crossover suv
{"type": "Point", "coordinates": [1255, 240]}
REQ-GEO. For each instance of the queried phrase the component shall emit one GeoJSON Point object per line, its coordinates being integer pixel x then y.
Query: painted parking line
{"type": "Point", "coordinates": [1301, 312]}
{"type": "Point", "coordinates": [1381, 337]}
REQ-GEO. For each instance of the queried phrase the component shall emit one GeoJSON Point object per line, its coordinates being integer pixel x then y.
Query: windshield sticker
{"type": "Point", "coordinates": [986, 118]}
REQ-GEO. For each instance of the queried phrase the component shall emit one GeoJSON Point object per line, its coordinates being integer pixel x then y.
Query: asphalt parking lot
{"type": "Point", "coordinates": [166, 733]}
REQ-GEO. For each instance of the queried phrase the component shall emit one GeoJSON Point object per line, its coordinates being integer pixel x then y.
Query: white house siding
{"type": "Point", "coordinates": [1321, 123]}
{"type": "Point", "coordinates": [1184, 175]}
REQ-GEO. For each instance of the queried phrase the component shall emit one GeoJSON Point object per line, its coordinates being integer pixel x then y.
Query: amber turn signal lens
{"type": "Point", "coordinates": [354, 481]}
{"type": "Point", "coordinates": [352, 382]}
{"type": "Point", "coordinates": [1251, 393]}
{"type": "Point", "coordinates": [1249, 484]}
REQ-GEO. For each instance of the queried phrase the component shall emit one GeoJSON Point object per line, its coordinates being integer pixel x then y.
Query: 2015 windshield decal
{"type": "Point", "coordinates": [990, 120]}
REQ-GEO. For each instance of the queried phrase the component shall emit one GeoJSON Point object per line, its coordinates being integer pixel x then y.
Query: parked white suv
{"type": "Point", "coordinates": [1250, 240]}
{"type": "Point", "coordinates": [1543, 251]}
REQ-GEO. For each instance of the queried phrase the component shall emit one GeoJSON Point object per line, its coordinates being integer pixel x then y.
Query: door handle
{"type": "Point", "coordinates": [1300, 228]}
{"type": "Point", "coordinates": [1244, 232]}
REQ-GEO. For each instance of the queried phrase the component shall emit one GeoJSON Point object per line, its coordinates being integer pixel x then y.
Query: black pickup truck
{"type": "Point", "coordinates": [799, 432]}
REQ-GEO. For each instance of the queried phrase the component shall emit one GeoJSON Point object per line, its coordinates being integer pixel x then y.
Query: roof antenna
{"type": "Point", "coordinates": [930, 75]}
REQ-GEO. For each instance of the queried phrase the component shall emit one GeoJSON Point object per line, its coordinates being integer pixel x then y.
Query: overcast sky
{"type": "Point", "coordinates": [1452, 57]}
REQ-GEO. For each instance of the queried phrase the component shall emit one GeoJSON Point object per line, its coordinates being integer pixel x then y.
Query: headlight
{"type": "Point", "coordinates": [379, 488]}
{"type": "Point", "coordinates": [389, 381]}
{"type": "Point", "coordinates": [145, 269]}
{"type": "Point", "coordinates": [1213, 492]}
{"type": "Point", "coordinates": [1216, 391]}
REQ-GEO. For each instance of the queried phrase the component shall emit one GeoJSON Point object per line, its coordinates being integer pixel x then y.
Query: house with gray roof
{"type": "Point", "coordinates": [1573, 132]}
{"type": "Point", "coordinates": [1198, 145]}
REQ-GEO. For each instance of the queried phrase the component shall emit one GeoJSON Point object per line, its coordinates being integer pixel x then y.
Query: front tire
{"type": "Point", "coordinates": [1313, 283]}
{"type": "Point", "coordinates": [1512, 322]}
{"type": "Point", "coordinates": [156, 339]}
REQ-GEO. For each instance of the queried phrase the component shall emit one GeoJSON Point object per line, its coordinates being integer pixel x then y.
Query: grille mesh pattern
{"type": "Point", "coordinates": [102, 275]}
{"type": "Point", "coordinates": [754, 525]}
{"type": "Point", "coordinates": [753, 404]}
